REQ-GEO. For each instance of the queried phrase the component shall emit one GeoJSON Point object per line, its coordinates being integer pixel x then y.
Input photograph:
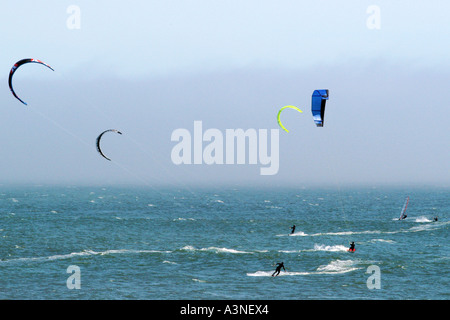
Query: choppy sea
{"type": "Point", "coordinates": [223, 243]}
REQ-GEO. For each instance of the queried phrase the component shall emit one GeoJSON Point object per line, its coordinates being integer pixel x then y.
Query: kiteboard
{"type": "Point", "coordinates": [351, 250]}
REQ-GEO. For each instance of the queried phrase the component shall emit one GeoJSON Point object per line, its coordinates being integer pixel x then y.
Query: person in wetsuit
{"type": "Point", "coordinates": [352, 246]}
{"type": "Point", "coordinates": [293, 229]}
{"type": "Point", "coordinates": [278, 269]}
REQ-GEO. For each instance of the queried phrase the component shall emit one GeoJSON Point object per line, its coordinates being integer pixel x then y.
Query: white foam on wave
{"type": "Point", "coordinates": [282, 273]}
{"type": "Point", "coordinates": [274, 207]}
{"type": "Point", "coordinates": [224, 250]}
{"type": "Point", "coordinates": [382, 240]}
{"type": "Point", "coordinates": [424, 227]}
{"type": "Point", "coordinates": [337, 266]}
{"type": "Point", "coordinates": [215, 249]}
{"type": "Point", "coordinates": [80, 254]}
{"type": "Point", "coordinates": [295, 234]}
{"type": "Point", "coordinates": [184, 219]}
{"type": "Point", "coordinates": [422, 219]}
{"type": "Point", "coordinates": [334, 267]}
{"type": "Point", "coordinates": [427, 227]}
{"type": "Point", "coordinates": [298, 234]}
{"type": "Point", "coordinates": [345, 233]}
{"type": "Point", "coordinates": [188, 248]}
{"type": "Point", "coordinates": [322, 247]}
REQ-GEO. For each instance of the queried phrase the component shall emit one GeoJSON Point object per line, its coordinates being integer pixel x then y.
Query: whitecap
{"type": "Point", "coordinates": [80, 254]}
{"type": "Point", "coordinates": [337, 266]}
{"type": "Point", "coordinates": [298, 233]}
{"type": "Point", "coordinates": [382, 240]}
{"type": "Point", "coordinates": [322, 247]}
{"type": "Point", "coordinates": [295, 234]}
{"type": "Point", "coordinates": [422, 219]}
{"type": "Point", "coordinates": [188, 248]}
{"type": "Point", "coordinates": [282, 273]}
{"type": "Point", "coordinates": [214, 249]}
{"type": "Point", "coordinates": [226, 250]}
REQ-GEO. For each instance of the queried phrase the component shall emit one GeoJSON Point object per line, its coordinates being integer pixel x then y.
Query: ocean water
{"type": "Point", "coordinates": [222, 243]}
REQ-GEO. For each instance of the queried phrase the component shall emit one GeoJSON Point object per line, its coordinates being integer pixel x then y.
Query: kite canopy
{"type": "Point", "coordinates": [99, 138]}
{"type": "Point", "coordinates": [15, 67]}
{"type": "Point", "coordinates": [279, 112]}
{"type": "Point", "coordinates": [319, 98]}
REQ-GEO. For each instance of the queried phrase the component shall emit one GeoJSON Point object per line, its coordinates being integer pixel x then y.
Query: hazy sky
{"type": "Point", "coordinates": [148, 68]}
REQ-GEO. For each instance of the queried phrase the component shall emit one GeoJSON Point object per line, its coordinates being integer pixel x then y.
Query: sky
{"type": "Point", "coordinates": [148, 68]}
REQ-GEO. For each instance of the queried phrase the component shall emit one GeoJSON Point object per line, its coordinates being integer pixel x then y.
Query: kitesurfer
{"type": "Point", "coordinates": [435, 218]}
{"type": "Point", "coordinates": [352, 246]}
{"type": "Point", "coordinates": [293, 229]}
{"type": "Point", "coordinates": [278, 269]}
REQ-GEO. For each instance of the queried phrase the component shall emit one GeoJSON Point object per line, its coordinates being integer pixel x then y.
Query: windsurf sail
{"type": "Point", "coordinates": [403, 213]}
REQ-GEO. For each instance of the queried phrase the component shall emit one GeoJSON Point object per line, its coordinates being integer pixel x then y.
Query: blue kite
{"type": "Point", "coordinates": [319, 98]}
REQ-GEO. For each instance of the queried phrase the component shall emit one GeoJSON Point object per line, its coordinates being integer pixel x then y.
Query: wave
{"type": "Point", "coordinates": [295, 234]}
{"type": "Point", "coordinates": [432, 226]}
{"type": "Point", "coordinates": [274, 207]}
{"type": "Point", "coordinates": [290, 251]}
{"type": "Point", "coordinates": [422, 219]}
{"type": "Point", "coordinates": [337, 266]}
{"type": "Point", "coordinates": [346, 233]}
{"type": "Point", "coordinates": [184, 219]}
{"type": "Point", "coordinates": [319, 247]}
{"type": "Point", "coordinates": [427, 227]}
{"type": "Point", "coordinates": [80, 254]}
{"type": "Point", "coordinates": [334, 267]}
{"type": "Point", "coordinates": [214, 249]}
{"type": "Point", "coordinates": [382, 240]}
{"type": "Point", "coordinates": [282, 273]}
{"type": "Point", "coordinates": [322, 247]}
